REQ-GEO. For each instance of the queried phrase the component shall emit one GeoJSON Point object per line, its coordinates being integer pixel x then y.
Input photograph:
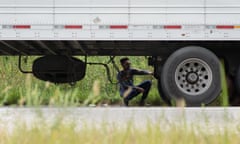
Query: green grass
{"type": "Point", "coordinates": [20, 89]}
{"type": "Point", "coordinates": [60, 133]}
{"type": "Point", "coordinates": [224, 94]}
{"type": "Point", "coordinates": [24, 89]}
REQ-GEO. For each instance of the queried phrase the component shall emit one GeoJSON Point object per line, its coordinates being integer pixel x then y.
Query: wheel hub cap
{"type": "Point", "coordinates": [193, 76]}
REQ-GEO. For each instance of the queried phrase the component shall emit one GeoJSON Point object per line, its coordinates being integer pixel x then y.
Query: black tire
{"type": "Point", "coordinates": [162, 95]}
{"type": "Point", "coordinates": [192, 73]}
{"type": "Point", "coordinates": [158, 71]}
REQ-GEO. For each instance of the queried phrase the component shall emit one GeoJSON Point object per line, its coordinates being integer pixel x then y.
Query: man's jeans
{"type": "Point", "coordinates": [146, 85]}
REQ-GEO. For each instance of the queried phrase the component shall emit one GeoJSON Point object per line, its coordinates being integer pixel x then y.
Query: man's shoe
{"type": "Point", "coordinates": [125, 102]}
{"type": "Point", "coordinates": [141, 103]}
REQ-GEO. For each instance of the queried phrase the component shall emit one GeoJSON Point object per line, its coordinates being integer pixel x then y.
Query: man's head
{"type": "Point", "coordinates": [125, 62]}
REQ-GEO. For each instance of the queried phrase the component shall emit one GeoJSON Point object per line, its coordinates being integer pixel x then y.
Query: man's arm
{"type": "Point", "coordinates": [141, 72]}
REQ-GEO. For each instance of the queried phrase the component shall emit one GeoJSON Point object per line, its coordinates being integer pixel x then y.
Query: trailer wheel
{"type": "Point", "coordinates": [163, 96]}
{"type": "Point", "coordinates": [192, 73]}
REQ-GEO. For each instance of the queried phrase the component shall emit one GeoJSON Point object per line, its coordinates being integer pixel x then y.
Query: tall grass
{"type": "Point", "coordinates": [24, 89]}
{"type": "Point", "coordinates": [153, 134]}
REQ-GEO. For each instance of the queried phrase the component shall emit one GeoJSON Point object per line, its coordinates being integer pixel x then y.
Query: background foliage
{"type": "Point", "coordinates": [24, 89]}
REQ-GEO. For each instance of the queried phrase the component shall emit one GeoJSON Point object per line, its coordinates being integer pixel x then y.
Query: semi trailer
{"type": "Point", "coordinates": [184, 40]}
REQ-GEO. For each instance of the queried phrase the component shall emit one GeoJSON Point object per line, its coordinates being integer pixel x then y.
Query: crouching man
{"type": "Point", "coordinates": [127, 88]}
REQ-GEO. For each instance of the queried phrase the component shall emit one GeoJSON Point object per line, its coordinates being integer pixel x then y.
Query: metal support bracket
{"type": "Point", "coordinates": [20, 66]}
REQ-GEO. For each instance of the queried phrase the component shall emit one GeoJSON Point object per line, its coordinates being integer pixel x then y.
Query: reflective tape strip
{"type": "Point", "coordinates": [16, 26]}
{"type": "Point", "coordinates": [158, 27]}
{"type": "Point", "coordinates": [237, 27]}
{"type": "Point", "coordinates": [104, 27]}
{"type": "Point", "coordinates": [210, 27]}
{"type": "Point", "coordinates": [172, 27]}
{"type": "Point", "coordinates": [118, 27]}
{"type": "Point", "coordinates": [7, 27]}
{"type": "Point", "coordinates": [73, 26]}
{"type": "Point", "coordinates": [68, 26]}
{"type": "Point", "coordinates": [59, 26]}
{"type": "Point", "coordinates": [21, 26]}
{"type": "Point", "coordinates": [131, 27]}
{"type": "Point", "coordinates": [224, 27]}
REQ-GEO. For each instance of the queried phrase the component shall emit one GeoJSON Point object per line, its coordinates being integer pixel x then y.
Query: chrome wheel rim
{"type": "Point", "coordinates": [193, 76]}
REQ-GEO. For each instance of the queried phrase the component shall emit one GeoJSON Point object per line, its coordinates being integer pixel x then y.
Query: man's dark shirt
{"type": "Point", "coordinates": [125, 78]}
